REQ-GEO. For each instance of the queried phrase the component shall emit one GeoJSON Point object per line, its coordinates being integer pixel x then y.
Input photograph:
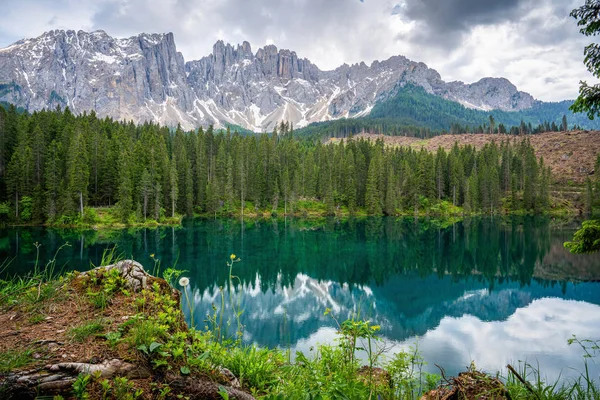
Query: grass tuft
{"type": "Point", "coordinates": [13, 359]}
{"type": "Point", "coordinates": [82, 332]}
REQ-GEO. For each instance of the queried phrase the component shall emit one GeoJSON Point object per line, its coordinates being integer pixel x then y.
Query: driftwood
{"type": "Point", "coordinates": [58, 379]}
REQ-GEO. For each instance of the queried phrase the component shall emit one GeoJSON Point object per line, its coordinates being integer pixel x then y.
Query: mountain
{"type": "Point", "coordinates": [144, 78]}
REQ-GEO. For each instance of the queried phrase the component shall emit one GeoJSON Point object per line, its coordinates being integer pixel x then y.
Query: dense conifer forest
{"type": "Point", "coordinates": [55, 167]}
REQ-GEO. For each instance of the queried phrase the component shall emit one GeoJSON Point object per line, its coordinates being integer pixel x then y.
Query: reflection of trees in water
{"type": "Point", "coordinates": [416, 272]}
{"type": "Point", "coordinates": [353, 252]}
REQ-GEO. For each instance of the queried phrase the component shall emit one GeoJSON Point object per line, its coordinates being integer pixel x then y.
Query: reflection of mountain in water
{"type": "Point", "coordinates": [405, 274]}
{"type": "Point", "coordinates": [405, 306]}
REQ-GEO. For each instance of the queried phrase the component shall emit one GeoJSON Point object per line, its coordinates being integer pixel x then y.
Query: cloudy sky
{"type": "Point", "coordinates": [534, 43]}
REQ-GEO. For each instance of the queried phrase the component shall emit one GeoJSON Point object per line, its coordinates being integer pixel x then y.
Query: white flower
{"type": "Point", "coordinates": [184, 281]}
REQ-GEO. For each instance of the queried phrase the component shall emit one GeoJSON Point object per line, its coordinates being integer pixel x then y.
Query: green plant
{"type": "Point", "coordinates": [408, 378]}
{"type": "Point", "coordinates": [113, 338]}
{"type": "Point", "coordinates": [184, 282]}
{"type": "Point", "coordinates": [163, 390]}
{"type": "Point", "coordinates": [82, 332]}
{"type": "Point", "coordinates": [99, 299]}
{"type": "Point", "coordinates": [145, 332]}
{"type": "Point", "coordinates": [36, 318]}
{"type": "Point", "coordinates": [223, 393]}
{"type": "Point", "coordinates": [171, 275]}
{"type": "Point", "coordinates": [12, 359]}
{"type": "Point", "coordinates": [80, 387]}
{"type": "Point", "coordinates": [124, 390]}
{"type": "Point", "coordinates": [255, 367]}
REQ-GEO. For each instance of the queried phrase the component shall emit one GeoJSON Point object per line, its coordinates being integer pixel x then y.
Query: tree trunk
{"type": "Point", "coordinates": [81, 203]}
{"type": "Point", "coordinates": [145, 205]}
{"type": "Point", "coordinates": [454, 195]}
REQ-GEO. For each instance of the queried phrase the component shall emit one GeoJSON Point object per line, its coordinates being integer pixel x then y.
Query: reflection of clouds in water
{"type": "Point", "coordinates": [535, 334]}
{"type": "Point", "coordinates": [455, 322]}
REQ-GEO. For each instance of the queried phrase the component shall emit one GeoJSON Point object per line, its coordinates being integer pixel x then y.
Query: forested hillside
{"type": "Point", "coordinates": [411, 111]}
{"type": "Point", "coordinates": [53, 165]}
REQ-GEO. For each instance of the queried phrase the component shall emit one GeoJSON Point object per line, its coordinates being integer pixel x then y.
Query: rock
{"type": "Point", "coordinates": [230, 377]}
{"type": "Point", "coordinates": [132, 271]}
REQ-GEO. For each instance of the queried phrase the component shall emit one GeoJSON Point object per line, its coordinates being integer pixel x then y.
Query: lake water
{"type": "Point", "coordinates": [494, 291]}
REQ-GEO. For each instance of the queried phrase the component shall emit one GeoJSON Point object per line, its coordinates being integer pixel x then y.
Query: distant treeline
{"type": "Point", "coordinates": [53, 164]}
{"type": "Point", "coordinates": [411, 111]}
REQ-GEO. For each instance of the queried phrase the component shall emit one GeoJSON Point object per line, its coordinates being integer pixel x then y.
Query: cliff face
{"type": "Point", "coordinates": [144, 78]}
{"type": "Point", "coordinates": [119, 78]}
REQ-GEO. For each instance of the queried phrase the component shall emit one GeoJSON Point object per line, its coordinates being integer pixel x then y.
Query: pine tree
{"type": "Point", "coordinates": [173, 187]}
{"type": "Point", "coordinates": [229, 189]}
{"type": "Point", "coordinates": [390, 193]}
{"type": "Point", "coordinates": [145, 191]}
{"type": "Point", "coordinates": [372, 193]}
{"type": "Point", "coordinates": [78, 170]}
{"type": "Point", "coordinates": [189, 189]}
{"type": "Point", "coordinates": [53, 175]}
{"type": "Point", "coordinates": [157, 201]}
{"type": "Point", "coordinates": [20, 171]}
{"type": "Point", "coordinates": [125, 191]}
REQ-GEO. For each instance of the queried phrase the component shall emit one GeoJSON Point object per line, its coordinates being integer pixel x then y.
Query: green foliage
{"type": "Point", "coordinates": [83, 332]}
{"type": "Point", "coordinates": [255, 368]}
{"type": "Point", "coordinates": [80, 387]}
{"type": "Point", "coordinates": [586, 239]}
{"type": "Point", "coordinates": [113, 338]}
{"type": "Point", "coordinates": [25, 208]}
{"type": "Point", "coordinates": [588, 19]}
{"type": "Point", "coordinates": [171, 275]}
{"type": "Point", "coordinates": [13, 359]}
{"type": "Point", "coordinates": [84, 171]}
{"type": "Point", "coordinates": [103, 284]}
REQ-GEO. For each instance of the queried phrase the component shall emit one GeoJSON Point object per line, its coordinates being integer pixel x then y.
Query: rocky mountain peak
{"type": "Point", "coordinates": [145, 78]}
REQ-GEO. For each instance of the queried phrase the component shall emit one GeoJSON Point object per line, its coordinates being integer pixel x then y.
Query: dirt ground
{"type": "Point", "coordinates": [571, 155]}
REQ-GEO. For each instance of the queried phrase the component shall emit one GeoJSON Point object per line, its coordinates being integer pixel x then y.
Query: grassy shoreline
{"type": "Point", "coordinates": [108, 217]}
{"type": "Point", "coordinates": [98, 315]}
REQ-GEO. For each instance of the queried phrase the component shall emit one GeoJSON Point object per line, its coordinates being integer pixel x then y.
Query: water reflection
{"type": "Point", "coordinates": [492, 290]}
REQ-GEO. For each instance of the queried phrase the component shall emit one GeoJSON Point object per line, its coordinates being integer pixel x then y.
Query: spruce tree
{"type": "Point", "coordinates": [372, 193]}
{"type": "Point", "coordinates": [78, 170]}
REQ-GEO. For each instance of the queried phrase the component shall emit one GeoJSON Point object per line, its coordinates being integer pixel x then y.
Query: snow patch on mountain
{"type": "Point", "coordinates": [144, 78]}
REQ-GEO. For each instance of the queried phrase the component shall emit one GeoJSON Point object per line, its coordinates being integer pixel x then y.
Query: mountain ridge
{"type": "Point", "coordinates": [144, 78]}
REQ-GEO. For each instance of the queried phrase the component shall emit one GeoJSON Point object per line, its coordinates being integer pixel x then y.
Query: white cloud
{"type": "Point", "coordinates": [539, 49]}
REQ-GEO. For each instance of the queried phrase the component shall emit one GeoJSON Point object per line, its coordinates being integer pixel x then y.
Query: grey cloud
{"type": "Point", "coordinates": [441, 33]}
{"type": "Point", "coordinates": [333, 27]}
{"type": "Point", "coordinates": [449, 16]}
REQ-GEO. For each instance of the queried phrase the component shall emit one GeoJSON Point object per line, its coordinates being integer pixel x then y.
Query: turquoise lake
{"type": "Point", "coordinates": [490, 290]}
